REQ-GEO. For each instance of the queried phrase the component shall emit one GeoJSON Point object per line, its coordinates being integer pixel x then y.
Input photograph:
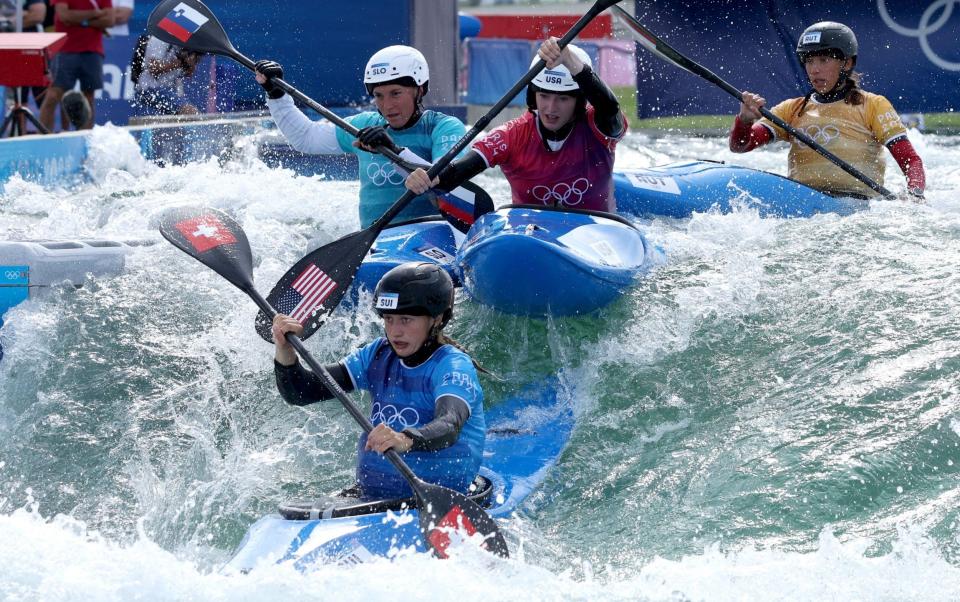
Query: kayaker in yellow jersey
{"type": "Point", "coordinates": [851, 123]}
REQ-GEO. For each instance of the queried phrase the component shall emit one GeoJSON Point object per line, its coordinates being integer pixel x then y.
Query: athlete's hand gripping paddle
{"type": "Point", "coordinates": [217, 241]}
{"type": "Point", "coordinates": [191, 25]}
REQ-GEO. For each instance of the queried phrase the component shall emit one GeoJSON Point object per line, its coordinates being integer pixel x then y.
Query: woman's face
{"type": "Point", "coordinates": [407, 334]}
{"type": "Point", "coordinates": [396, 103]}
{"type": "Point", "coordinates": [555, 110]}
{"type": "Point", "coordinates": [824, 71]}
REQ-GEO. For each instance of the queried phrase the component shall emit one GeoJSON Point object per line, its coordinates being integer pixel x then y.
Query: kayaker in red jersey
{"type": "Point", "coordinates": [561, 152]}
{"type": "Point", "coordinates": [851, 123]}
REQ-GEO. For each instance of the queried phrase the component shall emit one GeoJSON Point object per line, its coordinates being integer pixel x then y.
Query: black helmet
{"type": "Point", "coordinates": [826, 36]}
{"type": "Point", "coordinates": [415, 289]}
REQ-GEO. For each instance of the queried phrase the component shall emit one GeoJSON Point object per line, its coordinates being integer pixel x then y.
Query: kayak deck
{"type": "Point", "coordinates": [525, 437]}
{"type": "Point", "coordinates": [532, 260]}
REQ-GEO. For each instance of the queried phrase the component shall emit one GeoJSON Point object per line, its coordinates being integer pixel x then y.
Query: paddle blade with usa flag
{"type": "Point", "coordinates": [314, 286]}
{"type": "Point", "coordinates": [213, 238]}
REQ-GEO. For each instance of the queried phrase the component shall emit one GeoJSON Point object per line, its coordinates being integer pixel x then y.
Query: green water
{"type": "Point", "coordinates": [780, 399]}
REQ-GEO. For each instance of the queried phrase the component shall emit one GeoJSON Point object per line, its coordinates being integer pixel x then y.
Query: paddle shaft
{"type": "Point", "coordinates": [337, 390]}
{"type": "Point", "coordinates": [335, 119]}
{"type": "Point", "coordinates": [713, 78]}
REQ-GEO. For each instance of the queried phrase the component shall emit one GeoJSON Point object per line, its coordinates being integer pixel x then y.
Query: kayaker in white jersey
{"type": "Point", "coordinates": [559, 153]}
{"type": "Point", "coordinates": [427, 403]}
{"type": "Point", "coordinates": [397, 77]}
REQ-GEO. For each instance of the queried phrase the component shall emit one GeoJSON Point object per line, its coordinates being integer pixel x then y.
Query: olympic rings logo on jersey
{"type": "Point", "coordinates": [824, 135]}
{"type": "Point", "coordinates": [384, 173]}
{"type": "Point", "coordinates": [567, 194]}
{"type": "Point", "coordinates": [388, 415]}
{"type": "Point", "coordinates": [924, 29]}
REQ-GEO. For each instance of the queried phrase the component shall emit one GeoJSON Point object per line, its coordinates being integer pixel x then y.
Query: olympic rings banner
{"type": "Point", "coordinates": [909, 51]}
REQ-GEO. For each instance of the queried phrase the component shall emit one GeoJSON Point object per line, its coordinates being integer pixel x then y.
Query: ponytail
{"type": "Point", "coordinates": [443, 339]}
{"type": "Point", "coordinates": [803, 105]}
{"type": "Point", "coordinates": [852, 92]}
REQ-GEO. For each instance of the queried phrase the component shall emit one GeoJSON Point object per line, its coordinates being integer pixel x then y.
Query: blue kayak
{"type": "Point", "coordinates": [680, 189]}
{"type": "Point", "coordinates": [426, 239]}
{"type": "Point", "coordinates": [525, 437]}
{"type": "Point", "coordinates": [537, 261]}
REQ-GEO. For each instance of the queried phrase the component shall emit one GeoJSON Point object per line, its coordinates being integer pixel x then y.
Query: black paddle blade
{"type": "Point", "coordinates": [444, 513]}
{"type": "Point", "coordinates": [190, 24]}
{"type": "Point", "coordinates": [214, 239]}
{"type": "Point", "coordinates": [314, 286]}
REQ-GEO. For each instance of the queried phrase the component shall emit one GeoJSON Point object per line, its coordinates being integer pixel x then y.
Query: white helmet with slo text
{"type": "Point", "coordinates": [399, 64]}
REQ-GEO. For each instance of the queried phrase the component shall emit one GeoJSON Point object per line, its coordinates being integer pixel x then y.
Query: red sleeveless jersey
{"type": "Point", "coordinates": [579, 175]}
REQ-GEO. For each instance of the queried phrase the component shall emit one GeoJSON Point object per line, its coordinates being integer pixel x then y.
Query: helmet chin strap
{"type": "Point", "coordinates": [837, 91]}
{"type": "Point", "coordinates": [426, 350]}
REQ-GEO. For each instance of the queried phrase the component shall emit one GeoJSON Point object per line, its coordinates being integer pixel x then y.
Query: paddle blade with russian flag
{"type": "Point", "coordinates": [213, 238]}
{"type": "Point", "coordinates": [190, 24]}
{"type": "Point", "coordinates": [464, 204]}
{"type": "Point", "coordinates": [314, 286]}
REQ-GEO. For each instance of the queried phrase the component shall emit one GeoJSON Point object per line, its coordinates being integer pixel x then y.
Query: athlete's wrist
{"type": "Point", "coordinates": [413, 435]}
{"type": "Point", "coordinates": [406, 443]}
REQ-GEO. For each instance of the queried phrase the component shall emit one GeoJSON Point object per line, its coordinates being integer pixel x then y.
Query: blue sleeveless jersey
{"type": "Point", "coordinates": [380, 183]}
{"type": "Point", "coordinates": [404, 397]}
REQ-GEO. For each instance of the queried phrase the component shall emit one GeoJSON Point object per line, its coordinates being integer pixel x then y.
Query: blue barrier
{"type": "Point", "coordinates": [42, 159]}
{"type": "Point", "coordinates": [14, 280]}
{"type": "Point", "coordinates": [908, 51]}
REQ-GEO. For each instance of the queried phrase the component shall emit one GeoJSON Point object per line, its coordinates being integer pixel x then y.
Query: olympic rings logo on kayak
{"type": "Point", "coordinates": [383, 173]}
{"type": "Point", "coordinates": [388, 415]}
{"type": "Point", "coordinates": [568, 194]}
{"type": "Point", "coordinates": [924, 29]}
{"type": "Point", "coordinates": [824, 135]}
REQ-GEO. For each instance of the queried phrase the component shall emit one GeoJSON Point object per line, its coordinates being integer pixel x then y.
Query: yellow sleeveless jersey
{"type": "Point", "coordinates": [855, 133]}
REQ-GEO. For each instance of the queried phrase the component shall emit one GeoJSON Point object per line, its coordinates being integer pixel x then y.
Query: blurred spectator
{"type": "Point", "coordinates": [122, 10]}
{"type": "Point", "coordinates": [33, 13]}
{"type": "Point", "coordinates": [48, 20]}
{"type": "Point", "coordinates": [158, 79]}
{"type": "Point", "coordinates": [81, 57]}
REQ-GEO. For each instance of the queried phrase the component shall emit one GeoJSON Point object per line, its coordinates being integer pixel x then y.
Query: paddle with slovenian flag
{"type": "Point", "coordinates": [341, 258]}
{"type": "Point", "coordinates": [191, 24]}
{"type": "Point", "coordinates": [182, 22]}
{"type": "Point", "coordinates": [217, 241]}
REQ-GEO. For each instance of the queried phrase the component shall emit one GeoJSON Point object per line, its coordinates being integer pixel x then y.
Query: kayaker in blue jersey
{"type": "Point", "coordinates": [427, 403]}
{"type": "Point", "coordinates": [397, 77]}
